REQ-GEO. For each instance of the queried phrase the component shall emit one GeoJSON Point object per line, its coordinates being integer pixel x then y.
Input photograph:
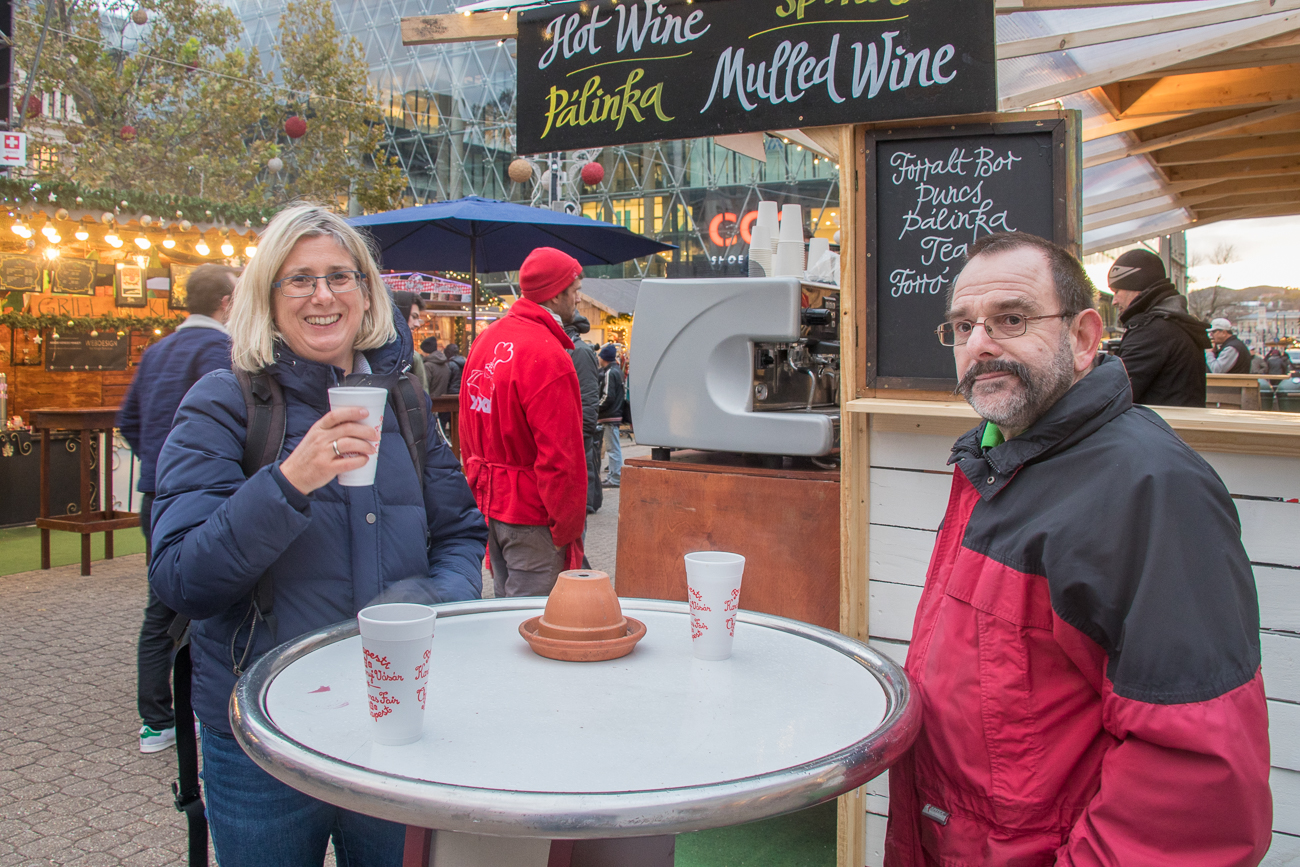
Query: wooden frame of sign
{"type": "Point", "coordinates": [959, 178]}
{"type": "Point", "coordinates": [129, 286]}
{"type": "Point", "coordinates": [177, 297]}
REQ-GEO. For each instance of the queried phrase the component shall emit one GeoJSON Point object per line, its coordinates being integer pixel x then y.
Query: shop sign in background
{"type": "Point", "coordinates": [616, 73]}
{"type": "Point", "coordinates": [103, 351]}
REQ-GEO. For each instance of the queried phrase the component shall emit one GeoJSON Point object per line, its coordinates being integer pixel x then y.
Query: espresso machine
{"type": "Point", "coordinates": [735, 365]}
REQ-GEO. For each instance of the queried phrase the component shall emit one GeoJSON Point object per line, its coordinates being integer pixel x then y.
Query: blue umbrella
{"type": "Point", "coordinates": [474, 233]}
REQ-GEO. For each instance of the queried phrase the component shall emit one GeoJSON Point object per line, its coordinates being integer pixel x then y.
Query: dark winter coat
{"type": "Point", "coordinates": [587, 366]}
{"type": "Point", "coordinates": [1086, 653]}
{"type": "Point", "coordinates": [329, 553]}
{"type": "Point", "coordinates": [439, 373]}
{"type": "Point", "coordinates": [1164, 349]}
{"type": "Point", "coordinates": [1241, 362]}
{"type": "Point", "coordinates": [455, 364]}
{"type": "Point", "coordinates": [167, 370]}
{"type": "Point", "coordinates": [612, 394]}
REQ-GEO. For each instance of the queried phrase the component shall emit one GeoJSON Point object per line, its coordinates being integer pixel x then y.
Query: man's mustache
{"type": "Point", "coordinates": [992, 365]}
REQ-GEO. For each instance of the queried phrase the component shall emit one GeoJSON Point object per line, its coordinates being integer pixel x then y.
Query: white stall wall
{"type": "Point", "coordinates": [909, 491]}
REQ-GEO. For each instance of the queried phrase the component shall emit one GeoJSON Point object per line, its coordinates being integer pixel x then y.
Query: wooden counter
{"type": "Point", "coordinates": [897, 492]}
{"type": "Point", "coordinates": [785, 522]}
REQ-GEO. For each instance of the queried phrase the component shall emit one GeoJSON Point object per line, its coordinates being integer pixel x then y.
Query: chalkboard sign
{"type": "Point", "coordinates": [73, 276]}
{"type": "Point", "coordinates": [930, 192]}
{"type": "Point", "coordinates": [20, 273]}
{"type": "Point", "coordinates": [608, 72]}
{"type": "Point", "coordinates": [104, 351]}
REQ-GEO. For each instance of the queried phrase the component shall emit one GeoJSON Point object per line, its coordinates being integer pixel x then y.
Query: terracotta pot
{"type": "Point", "coordinates": [582, 607]}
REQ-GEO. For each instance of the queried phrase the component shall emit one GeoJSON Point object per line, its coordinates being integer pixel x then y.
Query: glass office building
{"type": "Point", "coordinates": [450, 112]}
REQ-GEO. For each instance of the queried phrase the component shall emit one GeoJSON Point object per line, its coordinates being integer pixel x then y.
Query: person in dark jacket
{"type": "Point", "coordinates": [1229, 353]}
{"type": "Point", "coordinates": [1163, 345]}
{"type": "Point", "coordinates": [1086, 649]}
{"type": "Point", "coordinates": [610, 412]}
{"type": "Point", "coordinates": [311, 311]}
{"type": "Point", "coordinates": [410, 306]}
{"type": "Point", "coordinates": [587, 366]}
{"type": "Point", "coordinates": [199, 345]}
{"type": "Point", "coordinates": [456, 364]}
{"type": "Point", "coordinates": [1275, 363]}
{"type": "Point", "coordinates": [435, 366]}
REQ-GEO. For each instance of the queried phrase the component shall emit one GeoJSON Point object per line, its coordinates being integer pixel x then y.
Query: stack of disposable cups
{"type": "Point", "coordinates": [760, 251]}
{"type": "Point", "coordinates": [817, 247]}
{"type": "Point", "coordinates": [789, 246]}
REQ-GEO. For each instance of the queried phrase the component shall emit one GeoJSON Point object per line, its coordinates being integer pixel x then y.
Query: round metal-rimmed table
{"type": "Point", "coordinates": [519, 746]}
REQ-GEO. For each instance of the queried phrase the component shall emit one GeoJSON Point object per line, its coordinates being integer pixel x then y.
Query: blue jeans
{"type": "Point", "coordinates": [615, 452]}
{"type": "Point", "coordinates": [258, 821]}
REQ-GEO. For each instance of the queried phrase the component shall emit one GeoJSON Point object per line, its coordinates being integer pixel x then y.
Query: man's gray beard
{"type": "Point", "coordinates": [1016, 407]}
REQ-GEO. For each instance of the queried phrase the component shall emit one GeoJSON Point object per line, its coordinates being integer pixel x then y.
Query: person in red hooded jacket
{"type": "Point", "coordinates": [521, 431]}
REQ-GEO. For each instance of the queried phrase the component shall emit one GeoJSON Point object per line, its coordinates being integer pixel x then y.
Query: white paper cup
{"type": "Point", "coordinates": [372, 400]}
{"type": "Point", "coordinates": [397, 641]}
{"type": "Point", "coordinates": [713, 590]}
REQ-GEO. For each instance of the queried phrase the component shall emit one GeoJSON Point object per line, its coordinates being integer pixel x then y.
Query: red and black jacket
{"type": "Point", "coordinates": [1086, 651]}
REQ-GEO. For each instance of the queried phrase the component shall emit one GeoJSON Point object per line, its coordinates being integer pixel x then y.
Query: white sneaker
{"type": "Point", "coordinates": [153, 740]}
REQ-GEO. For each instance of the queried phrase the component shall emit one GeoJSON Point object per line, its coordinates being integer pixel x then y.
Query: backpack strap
{"type": "Point", "coordinates": [187, 795]}
{"type": "Point", "coordinates": [412, 421]}
{"type": "Point", "coordinates": [264, 401]}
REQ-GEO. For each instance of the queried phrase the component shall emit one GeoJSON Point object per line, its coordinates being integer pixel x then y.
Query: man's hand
{"type": "Point", "coordinates": [336, 443]}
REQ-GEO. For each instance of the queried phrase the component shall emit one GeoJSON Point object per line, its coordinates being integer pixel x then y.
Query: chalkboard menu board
{"type": "Point", "coordinates": [104, 351]}
{"type": "Point", "coordinates": [609, 72]}
{"type": "Point", "coordinates": [20, 273]}
{"type": "Point", "coordinates": [73, 276]}
{"type": "Point", "coordinates": [929, 193]}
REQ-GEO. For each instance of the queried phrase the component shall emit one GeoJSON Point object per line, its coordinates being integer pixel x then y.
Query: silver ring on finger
{"type": "Point", "coordinates": [335, 445]}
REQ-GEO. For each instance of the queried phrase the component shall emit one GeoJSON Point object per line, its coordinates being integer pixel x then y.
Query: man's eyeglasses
{"type": "Point", "coordinates": [1000, 326]}
{"type": "Point", "coordinates": [303, 285]}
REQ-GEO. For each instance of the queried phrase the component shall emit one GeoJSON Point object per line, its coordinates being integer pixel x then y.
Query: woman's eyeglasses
{"type": "Point", "coordinates": [303, 285]}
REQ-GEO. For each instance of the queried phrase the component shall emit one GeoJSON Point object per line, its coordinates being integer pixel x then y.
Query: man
{"type": "Point", "coordinates": [1086, 648]}
{"type": "Point", "coordinates": [410, 306]}
{"type": "Point", "coordinates": [521, 431]}
{"type": "Point", "coordinates": [1163, 345]}
{"type": "Point", "coordinates": [586, 366]}
{"type": "Point", "coordinates": [612, 394]}
{"type": "Point", "coordinates": [455, 364]}
{"type": "Point", "coordinates": [199, 346]}
{"type": "Point", "coordinates": [435, 367]}
{"type": "Point", "coordinates": [1229, 354]}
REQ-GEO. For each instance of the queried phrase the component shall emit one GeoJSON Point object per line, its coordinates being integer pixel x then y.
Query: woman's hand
{"type": "Point", "coordinates": [336, 443]}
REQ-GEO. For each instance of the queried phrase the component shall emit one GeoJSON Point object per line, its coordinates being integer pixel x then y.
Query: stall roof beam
{"type": "Point", "coordinates": [1146, 65]}
{"type": "Point", "coordinates": [455, 27]}
{"type": "Point", "coordinates": [1139, 29]}
{"type": "Point", "coordinates": [1254, 87]}
{"type": "Point", "coordinates": [1129, 124]}
{"type": "Point", "coordinates": [1279, 145]}
{"type": "Point", "coordinates": [1236, 170]}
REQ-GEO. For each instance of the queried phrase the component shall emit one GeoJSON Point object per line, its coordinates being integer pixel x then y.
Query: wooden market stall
{"type": "Point", "coordinates": [1150, 122]}
{"type": "Point", "coordinates": [86, 284]}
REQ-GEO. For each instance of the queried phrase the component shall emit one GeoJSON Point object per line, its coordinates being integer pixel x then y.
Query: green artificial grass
{"type": "Point", "coordinates": [803, 839]}
{"type": "Point", "coordinates": [20, 547]}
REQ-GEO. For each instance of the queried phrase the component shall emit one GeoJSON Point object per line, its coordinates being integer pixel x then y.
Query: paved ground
{"type": "Point", "coordinates": [75, 788]}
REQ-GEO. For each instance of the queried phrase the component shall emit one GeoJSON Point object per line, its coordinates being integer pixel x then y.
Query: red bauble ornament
{"type": "Point", "coordinates": [34, 106]}
{"type": "Point", "coordinates": [295, 127]}
{"type": "Point", "coordinates": [592, 174]}
{"type": "Point", "coordinates": [127, 133]}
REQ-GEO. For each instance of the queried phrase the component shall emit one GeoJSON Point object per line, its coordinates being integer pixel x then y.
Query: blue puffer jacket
{"type": "Point", "coordinates": [329, 553]}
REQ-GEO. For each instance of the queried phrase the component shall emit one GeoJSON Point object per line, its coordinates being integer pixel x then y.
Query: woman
{"type": "Point", "coordinates": [310, 309]}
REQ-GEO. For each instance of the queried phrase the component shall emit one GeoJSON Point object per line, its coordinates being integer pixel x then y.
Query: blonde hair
{"type": "Point", "coordinates": [252, 323]}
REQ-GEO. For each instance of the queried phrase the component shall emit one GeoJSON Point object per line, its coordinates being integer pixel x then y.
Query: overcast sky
{"type": "Point", "coordinates": [1268, 253]}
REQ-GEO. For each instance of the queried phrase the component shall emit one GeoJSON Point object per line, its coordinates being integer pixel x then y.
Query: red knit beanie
{"type": "Point", "coordinates": [546, 273]}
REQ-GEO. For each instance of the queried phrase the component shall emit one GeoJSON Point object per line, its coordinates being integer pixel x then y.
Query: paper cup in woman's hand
{"type": "Point", "coordinates": [397, 641]}
{"type": "Point", "coordinates": [372, 400]}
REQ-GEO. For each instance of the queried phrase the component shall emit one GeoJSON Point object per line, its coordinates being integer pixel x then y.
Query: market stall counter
{"type": "Point", "coordinates": [531, 761]}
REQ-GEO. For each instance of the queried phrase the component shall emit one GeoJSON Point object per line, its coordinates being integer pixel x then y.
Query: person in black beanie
{"type": "Point", "coordinates": [1163, 345]}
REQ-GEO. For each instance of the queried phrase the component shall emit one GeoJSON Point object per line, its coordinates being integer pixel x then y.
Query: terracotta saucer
{"type": "Point", "coordinates": [582, 651]}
